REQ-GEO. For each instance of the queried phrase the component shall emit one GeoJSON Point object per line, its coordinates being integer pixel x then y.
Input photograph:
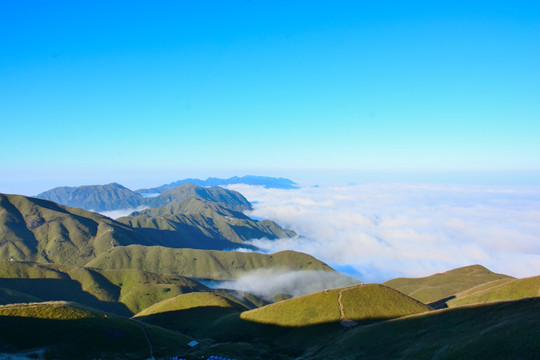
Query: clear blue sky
{"type": "Point", "coordinates": [149, 92]}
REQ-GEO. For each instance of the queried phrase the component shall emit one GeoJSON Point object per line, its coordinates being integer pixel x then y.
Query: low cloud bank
{"type": "Point", "coordinates": [376, 232]}
{"type": "Point", "coordinates": [268, 282]}
{"type": "Point", "coordinates": [115, 214]}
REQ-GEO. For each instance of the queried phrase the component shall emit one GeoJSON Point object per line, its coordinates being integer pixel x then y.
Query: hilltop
{"type": "Point", "coordinates": [94, 197]}
{"type": "Point", "coordinates": [444, 285]}
{"type": "Point", "coordinates": [358, 303]}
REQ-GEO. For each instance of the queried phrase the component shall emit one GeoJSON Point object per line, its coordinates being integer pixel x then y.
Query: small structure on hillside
{"type": "Point", "coordinates": [193, 343]}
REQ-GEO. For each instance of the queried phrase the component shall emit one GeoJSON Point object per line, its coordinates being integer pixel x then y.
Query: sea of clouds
{"type": "Point", "coordinates": [375, 232]}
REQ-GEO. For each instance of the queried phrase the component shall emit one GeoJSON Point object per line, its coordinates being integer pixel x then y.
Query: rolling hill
{"type": "Point", "coordinates": [38, 230]}
{"type": "Point", "coordinates": [358, 303]}
{"type": "Point", "coordinates": [444, 285]}
{"type": "Point", "coordinates": [202, 264]}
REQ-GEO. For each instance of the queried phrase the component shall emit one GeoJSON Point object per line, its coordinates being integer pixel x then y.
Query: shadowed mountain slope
{"type": "Point", "coordinates": [124, 292]}
{"type": "Point", "coordinates": [507, 330]}
{"type": "Point", "coordinates": [63, 330]}
{"type": "Point", "coordinates": [202, 264]}
{"type": "Point", "coordinates": [94, 197]}
{"type": "Point", "coordinates": [201, 224]}
{"type": "Point", "coordinates": [439, 286]}
{"type": "Point", "coordinates": [32, 229]}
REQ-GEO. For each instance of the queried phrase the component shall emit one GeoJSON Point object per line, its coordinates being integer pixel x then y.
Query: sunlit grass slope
{"type": "Point", "coordinates": [440, 286]}
{"type": "Point", "coordinates": [357, 303]}
{"type": "Point", "coordinates": [38, 230]}
{"type": "Point", "coordinates": [120, 291]}
{"type": "Point", "coordinates": [203, 264]}
{"type": "Point", "coordinates": [69, 331]}
{"type": "Point", "coordinates": [499, 290]}
{"type": "Point", "coordinates": [507, 330]}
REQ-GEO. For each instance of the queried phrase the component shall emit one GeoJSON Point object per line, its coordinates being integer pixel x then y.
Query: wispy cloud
{"type": "Point", "coordinates": [379, 231]}
{"type": "Point", "coordinates": [268, 282]}
{"type": "Point", "coordinates": [115, 214]}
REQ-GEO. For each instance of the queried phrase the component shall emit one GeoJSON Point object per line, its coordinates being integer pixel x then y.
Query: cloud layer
{"type": "Point", "coordinates": [380, 231]}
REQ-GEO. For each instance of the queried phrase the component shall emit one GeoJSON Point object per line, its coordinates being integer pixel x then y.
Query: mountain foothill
{"type": "Point", "coordinates": [149, 285]}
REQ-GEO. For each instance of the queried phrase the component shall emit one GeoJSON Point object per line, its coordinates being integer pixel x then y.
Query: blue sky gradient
{"type": "Point", "coordinates": [145, 93]}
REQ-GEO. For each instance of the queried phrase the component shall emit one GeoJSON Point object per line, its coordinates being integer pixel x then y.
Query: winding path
{"type": "Point", "coordinates": [147, 340]}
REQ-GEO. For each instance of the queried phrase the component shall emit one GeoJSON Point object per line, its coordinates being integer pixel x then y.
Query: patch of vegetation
{"type": "Point", "coordinates": [439, 286]}
{"type": "Point", "coordinates": [499, 290]}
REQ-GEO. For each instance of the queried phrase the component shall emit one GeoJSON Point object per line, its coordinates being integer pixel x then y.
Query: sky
{"type": "Point", "coordinates": [145, 93]}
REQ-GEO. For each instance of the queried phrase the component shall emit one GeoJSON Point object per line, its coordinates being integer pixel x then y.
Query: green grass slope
{"type": "Point", "coordinates": [357, 303]}
{"type": "Point", "coordinates": [507, 330]}
{"type": "Point", "coordinates": [201, 224]}
{"type": "Point", "coordinates": [38, 230]}
{"type": "Point", "coordinates": [499, 290]}
{"type": "Point", "coordinates": [124, 292]}
{"type": "Point", "coordinates": [202, 264]}
{"type": "Point", "coordinates": [229, 198]}
{"type": "Point", "coordinates": [69, 331]}
{"type": "Point", "coordinates": [94, 197]}
{"type": "Point", "coordinates": [439, 286]}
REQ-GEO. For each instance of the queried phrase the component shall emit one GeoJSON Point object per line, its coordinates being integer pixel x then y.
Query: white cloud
{"type": "Point", "coordinates": [268, 282]}
{"type": "Point", "coordinates": [380, 231]}
{"type": "Point", "coordinates": [115, 214]}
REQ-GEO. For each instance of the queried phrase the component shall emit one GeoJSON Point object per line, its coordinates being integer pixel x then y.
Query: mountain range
{"type": "Point", "coordinates": [116, 197]}
{"type": "Point", "coordinates": [149, 284]}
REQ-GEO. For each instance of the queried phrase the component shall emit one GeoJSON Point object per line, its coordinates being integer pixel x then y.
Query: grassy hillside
{"type": "Point", "coordinates": [439, 286]}
{"type": "Point", "coordinates": [201, 224]}
{"type": "Point", "coordinates": [124, 292]}
{"type": "Point", "coordinates": [229, 198]}
{"type": "Point", "coordinates": [94, 197]}
{"type": "Point", "coordinates": [506, 330]}
{"type": "Point", "coordinates": [39, 230]}
{"type": "Point", "coordinates": [498, 290]}
{"type": "Point", "coordinates": [202, 264]}
{"type": "Point", "coordinates": [357, 303]}
{"type": "Point", "coordinates": [68, 331]}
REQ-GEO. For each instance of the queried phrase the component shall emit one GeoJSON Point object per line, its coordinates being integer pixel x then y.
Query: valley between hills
{"type": "Point", "coordinates": [75, 284]}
